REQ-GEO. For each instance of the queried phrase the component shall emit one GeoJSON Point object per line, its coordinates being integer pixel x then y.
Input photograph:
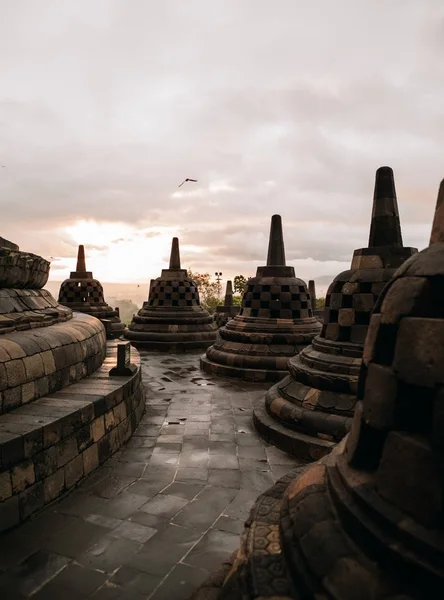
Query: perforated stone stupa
{"type": "Point", "coordinates": [367, 521]}
{"type": "Point", "coordinates": [275, 321]}
{"type": "Point", "coordinates": [311, 409]}
{"type": "Point", "coordinates": [227, 311]}
{"type": "Point", "coordinates": [82, 293]}
{"type": "Point", "coordinates": [172, 319]}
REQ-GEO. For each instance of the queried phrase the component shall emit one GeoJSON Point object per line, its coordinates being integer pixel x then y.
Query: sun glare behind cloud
{"type": "Point", "coordinates": [117, 251]}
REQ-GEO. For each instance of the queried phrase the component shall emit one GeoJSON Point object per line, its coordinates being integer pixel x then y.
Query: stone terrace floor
{"type": "Point", "coordinates": [164, 511]}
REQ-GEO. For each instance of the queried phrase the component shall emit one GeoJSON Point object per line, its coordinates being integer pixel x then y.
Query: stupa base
{"type": "Point", "coordinates": [174, 343]}
{"type": "Point", "coordinates": [297, 443]}
{"type": "Point", "coordinates": [245, 373]}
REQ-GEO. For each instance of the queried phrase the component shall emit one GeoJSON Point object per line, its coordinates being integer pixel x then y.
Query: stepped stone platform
{"type": "Point", "coordinates": [227, 311]}
{"type": "Point", "coordinates": [172, 320]}
{"type": "Point", "coordinates": [82, 293]}
{"type": "Point", "coordinates": [366, 521]}
{"type": "Point", "coordinates": [275, 321]}
{"type": "Point", "coordinates": [47, 425]}
{"type": "Point", "coordinates": [311, 409]}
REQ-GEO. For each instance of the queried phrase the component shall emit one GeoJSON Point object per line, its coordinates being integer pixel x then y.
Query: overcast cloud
{"type": "Point", "coordinates": [275, 106]}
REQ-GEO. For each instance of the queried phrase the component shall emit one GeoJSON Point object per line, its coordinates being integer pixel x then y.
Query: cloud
{"type": "Point", "coordinates": [287, 108]}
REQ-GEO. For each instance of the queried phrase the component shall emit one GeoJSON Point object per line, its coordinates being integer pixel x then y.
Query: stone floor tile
{"type": "Point", "coordinates": [159, 473]}
{"type": "Point", "coordinates": [159, 555]}
{"type": "Point", "coordinates": [224, 478]}
{"type": "Point", "coordinates": [194, 459]}
{"type": "Point", "coordinates": [15, 547]}
{"type": "Point", "coordinates": [180, 583]}
{"type": "Point", "coordinates": [184, 490]}
{"type": "Point", "coordinates": [149, 520]}
{"type": "Point", "coordinates": [164, 506]}
{"type": "Point", "coordinates": [108, 522]}
{"type": "Point", "coordinates": [109, 553]}
{"type": "Point", "coordinates": [112, 485]}
{"type": "Point", "coordinates": [131, 579]}
{"type": "Point", "coordinates": [255, 480]}
{"type": "Point", "coordinates": [254, 464]}
{"type": "Point", "coordinates": [240, 507]}
{"type": "Point", "coordinates": [222, 461]}
{"type": "Point", "coordinates": [74, 540]}
{"type": "Point", "coordinates": [78, 505]}
{"type": "Point", "coordinates": [192, 475]}
{"type": "Point", "coordinates": [130, 469]}
{"type": "Point", "coordinates": [121, 506]}
{"type": "Point", "coordinates": [257, 452]}
{"type": "Point", "coordinates": [110, 591]}
{"type": "Point", "coordinates": [147, 489]}
{"type": "Point", "coordinates": [167, 448]}
{"type": "Point", "coordinates": [73, 581]}
{"type": "Point", "coordinates": [229, 525]}
{"type": "Point", "coordinates": [133, 531]}
{"type": "Point", "coordinates": [212, 549]}
{"type": "Point", "coordinates": [33, 573]}
{"type": "Point", "coordinates": [206, 508]}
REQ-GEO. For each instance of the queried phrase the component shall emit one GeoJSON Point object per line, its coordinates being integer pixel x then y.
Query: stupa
{"type": "Point", "coordinates": [61, 413]}
{"type": "Point", "coordinates": [275, 321]}
{"type": "Point", "coordinates": [317, 312]}
{"type": "Point", "coordinates": [172, 319]}
{"type": "Point", "coordinates": [367, 521]}
{"type": "Point", "coordinates": [311, 409]}
{"type": "Point", "coordinates": [82, 293]}
{"type": "Point", "coordinates": [227, 311]}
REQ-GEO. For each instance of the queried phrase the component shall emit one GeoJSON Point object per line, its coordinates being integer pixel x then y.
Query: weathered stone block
{"type": "Point", "coordinates": [54, 485]}
{"type": "Point", "coordinates": [67, 451]}
{"type": "Point", "coordinates": [48, 362]}
{"type": "Point", "coordinates": [407, 296]}
{"type": "Point", "coordinates": [31, 500]}
{"type": "Point", "coordinates": [73, 471]}
{"type": "Point", "coordinates": [418, 360]}
{"type": "Point", "coordinates": [90, 459]}
{"type": "Point", "coordinates": [9, 513]}
{"type": "Point", "coordinates": [5, 487]}
{"type": "Point", "coordinates": [22, 476]}
{"type": "Point", "coordinates": [15, 372]}
{"type": "Point", "coordinates": [28, 392]}
{"type": "Point", "coordinates": [33, 367]}
{"type": "Point", "coordinates": [98, 428]}
{"type": "Point", "coordinates": [408, 465]}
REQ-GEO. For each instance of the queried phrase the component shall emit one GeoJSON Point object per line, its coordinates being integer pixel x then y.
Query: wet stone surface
{"type": "Point", "coordinates": [163, 512]}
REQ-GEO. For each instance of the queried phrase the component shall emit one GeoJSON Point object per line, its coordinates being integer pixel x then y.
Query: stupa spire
{"type": "Point", "coordinates": [276, 250]}
{"type": "Point", "coordinates": [175, 255]}
{"type": "Point", "coordinates": [437, 235]}
{"type": "Point", "coordinates": [228, 294]}
{"type": "Point", "coordinates": [385, 228]}
{"type": "Point", "coordinates": [312, 292]}
{"type": "Point", "coordinates": [81, 263]}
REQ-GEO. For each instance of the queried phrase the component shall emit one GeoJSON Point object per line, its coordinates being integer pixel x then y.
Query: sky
{"type": "Point", "coordinates": [284, 107]}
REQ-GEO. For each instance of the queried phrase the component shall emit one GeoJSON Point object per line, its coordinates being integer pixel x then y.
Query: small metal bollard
{"type": "Point", "coordinates": [124, 365]}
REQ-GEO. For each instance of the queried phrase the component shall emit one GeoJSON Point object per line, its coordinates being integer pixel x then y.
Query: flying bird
{"type": "Point", "coordinates": [187, 179]}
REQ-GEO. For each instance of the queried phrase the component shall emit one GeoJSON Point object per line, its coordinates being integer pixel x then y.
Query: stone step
{"type": "Point", "coordinates": [294, 442]}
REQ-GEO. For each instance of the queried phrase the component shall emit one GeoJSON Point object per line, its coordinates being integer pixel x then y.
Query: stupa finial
{"type": "Point", "coordinates": [276, 250]}
{"type": "Point", "coordinates": [437, 235]}
{"type": "Point", "coordinates": [385, 228]}
{"type": "Point", "coordinates": [312, 292]}
{"type": "Point", "coordinates": [228, 294]}
{"type": "Point", "coordinates": [81, 264]}
{"type": "Point", "coordinates": [175, 255]}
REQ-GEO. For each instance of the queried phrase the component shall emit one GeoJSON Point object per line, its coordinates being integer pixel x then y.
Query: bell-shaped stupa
{"type": "Point", "coordinates": [172, 319]}
{"type": "Point", "coordinates": [311, 409]}
{"type": "Point", "coordinates": [226, 311]}
{"type": "Point", "coordinates": [82, 293]}
{"type": "Point", "coordinates": [275, 321]}
{"type": "Point", "coordinates": [367, 521]}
